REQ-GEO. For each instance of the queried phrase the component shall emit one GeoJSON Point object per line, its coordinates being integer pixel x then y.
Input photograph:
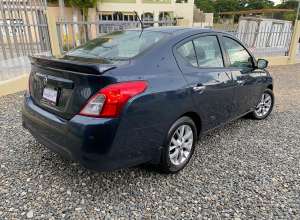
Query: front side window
{"type": "Point", "coordinates": [120, 45]}
{"type": "Point", "coordinates": [208, 52]}
{"type": "Point", "coordinates": [187, 51]}
{"type": "Point", "coordinates": [238, 55]}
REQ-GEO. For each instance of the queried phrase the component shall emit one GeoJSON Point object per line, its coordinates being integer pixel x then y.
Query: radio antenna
{"type": "Point", "coordinates": [142, 25]}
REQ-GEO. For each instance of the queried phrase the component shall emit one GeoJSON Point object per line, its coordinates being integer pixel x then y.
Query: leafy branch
{"type": "Point", "coordinates": [82, 4]}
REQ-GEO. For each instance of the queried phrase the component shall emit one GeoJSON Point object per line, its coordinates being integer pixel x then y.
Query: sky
{"type": "Point", "coordinates": [277, 1]}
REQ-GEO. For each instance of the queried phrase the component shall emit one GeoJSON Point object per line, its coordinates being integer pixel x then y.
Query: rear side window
{"type": "Point", "coordinates": [202, 52]}
{"type": "Point", "coordinates": [121, 45]}
{"type": "Point", "coordinates": [187, 51]}
{"type": "Point", "coordinates": [208, 52]}
{"type": "Point", "coordinates": [238, 55]}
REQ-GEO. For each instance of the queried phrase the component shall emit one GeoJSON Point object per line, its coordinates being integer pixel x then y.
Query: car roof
{"type": "Point", "coordinates": [168, 29]}
{"type": "Point", "coordinates": [174, 29]}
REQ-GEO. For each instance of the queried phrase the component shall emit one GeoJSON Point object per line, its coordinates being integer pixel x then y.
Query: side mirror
{"type": "Point", "coordinates": [261, 63]}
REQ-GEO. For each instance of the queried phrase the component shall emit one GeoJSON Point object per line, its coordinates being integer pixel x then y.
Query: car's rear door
{"type": "Point", "coordinates": [246, 78]}
{"type": "Point", "coordinates": [200, 59]}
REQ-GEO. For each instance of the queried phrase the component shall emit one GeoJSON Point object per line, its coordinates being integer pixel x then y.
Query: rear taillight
{"type": "Point", "coordinates": [28, 88]}
{"type": "Point", "coordinates": [109, 102]}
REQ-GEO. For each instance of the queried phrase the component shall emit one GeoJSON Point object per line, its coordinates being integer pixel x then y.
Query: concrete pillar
{"type": "Point", "coordinates": [294, 42]}
{"type": "Point", "coordinates": [53, 34]}
{"type": "Point", "coordinates": [155, 18]}
{"type": "Point", "coordinates": [92, 12]}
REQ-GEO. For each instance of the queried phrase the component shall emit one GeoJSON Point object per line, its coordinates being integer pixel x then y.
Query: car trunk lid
{"type": "Point", "coordinates": [63, 85]}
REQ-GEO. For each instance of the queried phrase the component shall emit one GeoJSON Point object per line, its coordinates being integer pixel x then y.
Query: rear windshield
{"type": "Point", "coordinates": [121, 45]}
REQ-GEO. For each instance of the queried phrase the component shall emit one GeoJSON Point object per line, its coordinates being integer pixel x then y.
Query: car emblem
{"type": "Point", "coordinates": [45, 80]}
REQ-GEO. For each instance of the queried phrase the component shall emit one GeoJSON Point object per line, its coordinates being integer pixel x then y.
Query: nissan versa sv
{"type": "Point", "coordinates": [143, 95]}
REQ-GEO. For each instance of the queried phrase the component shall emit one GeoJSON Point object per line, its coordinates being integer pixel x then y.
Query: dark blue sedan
{"type": "Point", "coordinates": [143, 95]}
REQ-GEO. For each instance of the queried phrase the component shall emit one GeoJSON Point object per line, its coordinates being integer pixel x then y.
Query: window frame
{"type": "Point", "coordinates": [185, 42]}
{"type": "Point", "coordinates": [254, 63]}
{"type": "Point", "coordinates": [192, 38]}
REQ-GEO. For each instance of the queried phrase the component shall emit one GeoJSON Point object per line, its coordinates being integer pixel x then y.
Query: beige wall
{"type": "Point", "coordinates": [183, 22]}
{"type": "Point", "coordinates": [69, 13]}
{"type": "Point", "coordinates": [209, 17]}
{"type": "Point", "coordinates": [275, 61]}
{"type": "Point", "coordinates": [14, 85]}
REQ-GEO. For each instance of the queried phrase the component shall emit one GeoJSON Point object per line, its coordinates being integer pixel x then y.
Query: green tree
{"type": "Point", "coordinates": [209, 6]}
{"type": "Point", "coordinates": [205, 5]}
{"type": "Point", "coordinates": [215, 6]}
{"type": "Point", "coordinates": [242, 3]}
{"type": "Point", "coordinates": [259, 4]}
{"type": "Point", "coordinates": [82, 4]}
{"type": "Point", "coordinates": [226, 5]}
{"type": "Point", "coordinates": [289, 4]}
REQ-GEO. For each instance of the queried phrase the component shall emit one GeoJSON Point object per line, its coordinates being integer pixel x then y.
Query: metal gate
{"type": "Point", "coordinates": [23, 32]}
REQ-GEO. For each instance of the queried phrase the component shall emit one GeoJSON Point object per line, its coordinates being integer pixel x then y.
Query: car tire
{"type": "Point", "coordinates": [265, 106]}
{"type": "Point", "coordinates": [179, 145]}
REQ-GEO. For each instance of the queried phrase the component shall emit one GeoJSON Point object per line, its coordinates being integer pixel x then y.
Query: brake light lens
{"type": "Point", "coordinates": [109, 102]}
{"type": "Point", "coordinates": [28, 88]}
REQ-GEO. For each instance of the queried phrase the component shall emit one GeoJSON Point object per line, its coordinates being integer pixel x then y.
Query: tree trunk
{"type": "Point", "coordinates": [84, 30]}
{"type": "Point", "coordinates": [76, 27]}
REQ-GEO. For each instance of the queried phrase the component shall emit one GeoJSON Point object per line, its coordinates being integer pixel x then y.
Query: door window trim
{"type": "Point", "coordinates": [192, 38]}
{"type": "Point", "coordinates": [227, 54]}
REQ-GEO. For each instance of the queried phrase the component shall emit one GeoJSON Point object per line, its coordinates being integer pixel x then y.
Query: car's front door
{"type": "Point", "coordinates": [246, 78]}
{"type": "Point", "coordinates": [201, 62]}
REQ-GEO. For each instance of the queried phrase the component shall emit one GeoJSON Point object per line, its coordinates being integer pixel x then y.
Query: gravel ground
{"type": "Point", "coordinates": [244, 170]}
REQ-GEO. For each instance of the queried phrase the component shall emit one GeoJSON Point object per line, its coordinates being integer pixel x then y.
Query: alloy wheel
{"type": "Point", "coordinates": [264, 106]}
{"type": "Point", "coordinates": [181, 144]}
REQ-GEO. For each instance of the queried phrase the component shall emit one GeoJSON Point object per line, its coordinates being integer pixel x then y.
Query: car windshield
{"type": "Point", "coordinates": [120, 45]}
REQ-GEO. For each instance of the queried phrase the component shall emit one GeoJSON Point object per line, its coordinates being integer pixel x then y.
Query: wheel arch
{"type": "Point", "coordinates": [270, 87]}
{"type": "Point", "coordinates": [196, 118]}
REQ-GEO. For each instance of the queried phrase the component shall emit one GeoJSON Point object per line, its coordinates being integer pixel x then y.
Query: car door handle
{"type": "Point", "coordinates": [241, 82]}
{"type": "Point", "coordinates": [199, 88]}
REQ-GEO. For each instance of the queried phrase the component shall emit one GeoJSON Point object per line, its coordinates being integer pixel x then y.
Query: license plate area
{"type": "Point", "coordinates": [50, 95]}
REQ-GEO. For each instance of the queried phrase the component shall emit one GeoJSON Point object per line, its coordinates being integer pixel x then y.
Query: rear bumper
{"type": "Point", "coordinates": [50, 145]}
{"type": "Point", "coordinates": [96, 143]}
